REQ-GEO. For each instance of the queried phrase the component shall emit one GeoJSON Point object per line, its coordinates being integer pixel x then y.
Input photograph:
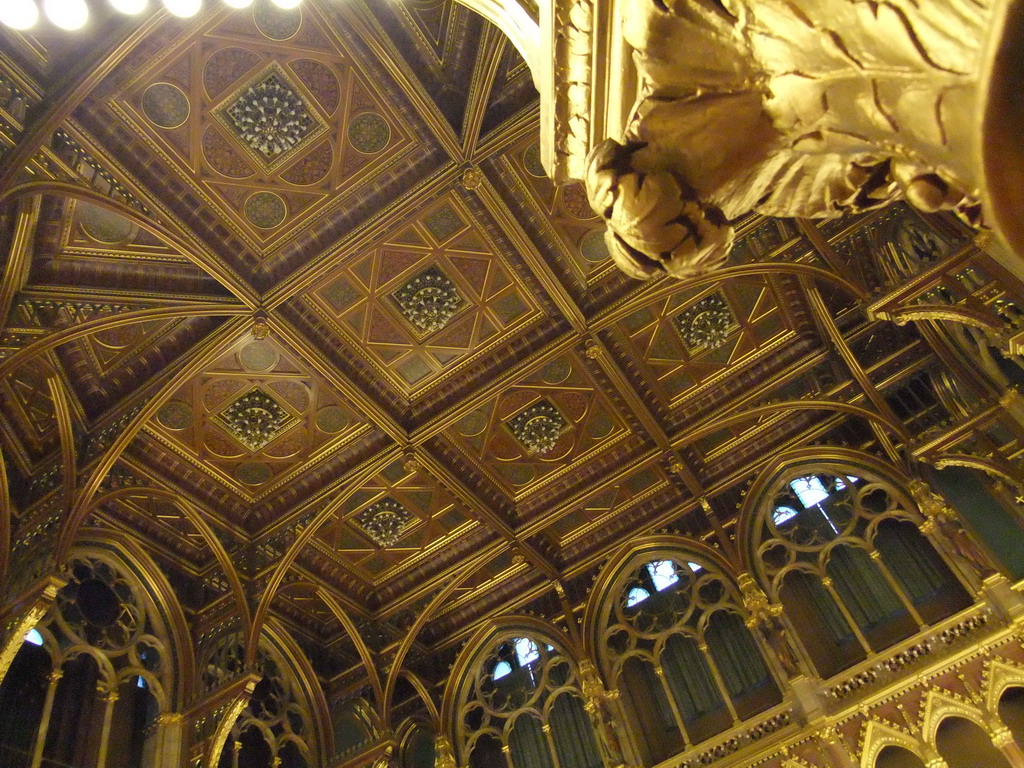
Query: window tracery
{"type": "Point", "coordinates": [682, 658]}
{"type": "Point", "coordinates": [523, 704]}
{"type": "Point", "coordinates": [92, 678]}
{"type": "Point", "coordinates": [844, 555]}
{"type": "Point", "coordinates": [275, 727]}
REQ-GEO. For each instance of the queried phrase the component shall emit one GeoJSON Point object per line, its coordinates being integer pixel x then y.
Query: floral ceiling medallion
{"type": "Point", "coordinates": [538, 427]}
{"type": "Point", "coordinates": [707, 324]}
{"type": "Point", "coordinates": [269, 117]}
{"type": "Point", "coordinates": [255, 419]}
{"type": "Point", "coordinates": [384, 522]}
{"type": "Point", "coordinates": [429, 300]}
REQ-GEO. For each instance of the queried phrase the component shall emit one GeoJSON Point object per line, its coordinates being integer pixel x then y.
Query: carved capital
{"type": "Point", "coordinates": [445, 755]}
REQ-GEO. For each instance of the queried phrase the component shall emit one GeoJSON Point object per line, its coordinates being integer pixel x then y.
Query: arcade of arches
{"type": "Point", "coordinates": [332, 436]}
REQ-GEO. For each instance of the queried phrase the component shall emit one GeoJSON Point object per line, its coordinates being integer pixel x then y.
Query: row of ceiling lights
{"type": "Point", "coordinates": [73, 14]}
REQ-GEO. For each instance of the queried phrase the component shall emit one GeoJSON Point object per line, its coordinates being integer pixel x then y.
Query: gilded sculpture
{"type": "Point", "coordinates": [787, 108]}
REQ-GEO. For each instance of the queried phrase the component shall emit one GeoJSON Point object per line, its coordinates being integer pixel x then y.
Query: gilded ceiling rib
{"type": "Point", "coordinates": [6, 513]}
{"type": "Point", "coordinates": [66, 94]}
{"type": "Point", "coordinates": [205, 354]}
{"type": "Point", "coordinates": [353, 632]}
{"type": "Point", "coordinates": [172, 240]}
{"type": "Point", "coordinates": [469, 568]}
{"type": "Point", "coordinates": [380, 417]}
{"type": "Point", "coordinates": [195, 517]}
{"type": "Point", "coordinates": [664, 287]}
{"type": "Point", "coordinates": [305, 536]}
{"type": "Point", "coordinates": [442, 472]}
{"type": "Point", "coordinates": [693, 435]}
{"type": "Point", "coordinates": [365, 236]}
{"type": "Point", "coordinates": [485, 69]}
{"type": "Point", "coordinates": [20, 252]}
{"type": "Point", "coordinates": [824, 319]}
{"type": "Point", "coordinates": [529, 253]}
{"type": "Point", "coordinates": [106, 323]}
{"type": "Point", "coordinates": [69, 464]}
{"type": "Point", "coordinates": [366, 27]}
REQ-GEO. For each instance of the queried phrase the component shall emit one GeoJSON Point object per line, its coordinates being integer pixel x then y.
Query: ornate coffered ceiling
{"type": "Point", "coordinates": [291, 296]}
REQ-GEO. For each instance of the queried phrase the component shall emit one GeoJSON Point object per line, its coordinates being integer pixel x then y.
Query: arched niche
{"type": "Point", "coordinates": [516, 691]}
{"type": "Point", "coordinates": [667, 626]}
{"type": "Point", "coordinates": [1011, 712]}
{"type": "Point", "coordinates": [898, 757]}
{"type": "Point", "coordinates": [837, 542]}
{"type": "Point", "coordinates": [964, 744]}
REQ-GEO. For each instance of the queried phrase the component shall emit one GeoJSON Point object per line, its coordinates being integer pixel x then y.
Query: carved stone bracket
{"type": "Point", "coordinates": [803, 109]}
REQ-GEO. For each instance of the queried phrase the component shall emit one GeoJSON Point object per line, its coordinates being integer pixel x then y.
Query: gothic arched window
{"type": "Point", "coordinates": [844, 555]}
{"type": "Point", "coordinates": [522, 708]}
{"type": "Point", "coordinates": [98, 657]}
{"type": "Point", "coordinates": [675, 645]}
{"type": "Point", "coordinates": [274, 728]}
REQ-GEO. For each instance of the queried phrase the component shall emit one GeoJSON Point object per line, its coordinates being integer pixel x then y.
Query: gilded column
{"type": "Point", "coordinates": [109, 701]}
{"type": "Point", "coordinates": [444, 755]}
{"type": "Point", "coordinates": [44, 722]}
{"type": "Point", "coordinates": [933, 759]}
{"type": "Point", "coordinates": [1003, 740]}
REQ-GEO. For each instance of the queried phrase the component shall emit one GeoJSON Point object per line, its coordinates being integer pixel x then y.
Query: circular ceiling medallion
{"type": "Point", "coordinates": [253, 473]}
{"type": "Point", "coordinates": [574, 198]}
{"type": "Point", "coordinates": [265, 209]}
{"type": "Point", "coordinates": [275, 23]}
{"type": "Point", "coordinates": [472, 424]}
{"type": "Point", "coordinates": [531, 160]}
{"type": "Point", "coordinates": [600, 426]}
{"type": "Point", "coordinates": [165, 105]}
{"type": "Point", "coordinates": [175, 415]}
{"type": "Point", "coordinates": [519, 474]}
{"type": "Point", "coordinates": [331, 419]}
{"type": "Point", "coordinates": [556, 371]}
{"type": "Point", "coordinates": [105, 226]}
{"type": "Point", "coordinates": [258, 356]}
{"type": "Point", "coordinates": [369, 133]}
{"type": "Point", "coordinates": [593, 246]}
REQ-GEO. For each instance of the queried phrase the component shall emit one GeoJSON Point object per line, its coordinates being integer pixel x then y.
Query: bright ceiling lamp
{"type": "Point", "coordinates": [129, 7]}
{"type": "Point", "coordinates": [183, 8]}
{"type": "Point", "coordinates": [286, 4]}
{"type": "Point", "coordinates": [67, 14]}
{"type": "Point", "coordinates": [238, 3]}
{"type": "Point", "coordinates": [19, 14]}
